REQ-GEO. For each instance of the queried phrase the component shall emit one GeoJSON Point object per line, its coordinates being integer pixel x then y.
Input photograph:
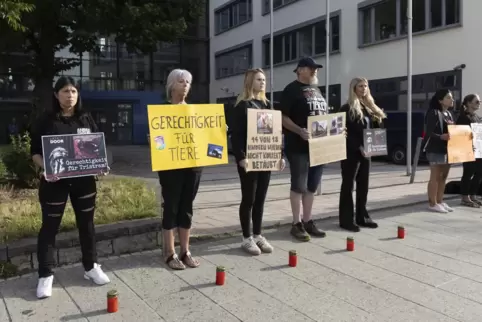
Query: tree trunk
{"type": "Point", "coordinates": [43, 76]}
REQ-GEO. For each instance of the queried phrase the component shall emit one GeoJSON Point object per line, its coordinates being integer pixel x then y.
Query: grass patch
{"type": "Point", "coordinates": [117, 200]}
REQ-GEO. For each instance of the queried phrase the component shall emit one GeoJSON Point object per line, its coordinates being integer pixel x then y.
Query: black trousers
{"type": "Point", "coordinates": [355, 168]}
{"type": "Point", "coordinates": [179, 189]}
{"type": "Point", "coordinates": [254, 187]}
{"type": "Point", "coordinates": [471, 178]}
{"type": "Point", "coordinates": [53, 199]}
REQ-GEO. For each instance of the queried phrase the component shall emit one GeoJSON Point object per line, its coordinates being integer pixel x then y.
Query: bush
{"type": "Point", "coordinates": [18, 162]}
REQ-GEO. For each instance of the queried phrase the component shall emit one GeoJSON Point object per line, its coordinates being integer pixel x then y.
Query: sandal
{"type": "Point", "coordinates": [477, 201]}
{"type": "Point", "coordinates": [174, 263]}
{"type": "Point", "coordinates": [189, 261]}
{"type": "Point", "coordinates": [470, 204]}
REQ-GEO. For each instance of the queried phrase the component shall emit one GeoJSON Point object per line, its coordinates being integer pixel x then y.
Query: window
{"type": "Point", "coordinates": [276, 4]}
{"type": "Point", "coordinates": [388, 19]}
{"type": "Point", "coordinates": [306, 41]}
{"type": "Point", "coordinates": [234, 62]}
{"type": "Point", "coordinates": [233, 15]}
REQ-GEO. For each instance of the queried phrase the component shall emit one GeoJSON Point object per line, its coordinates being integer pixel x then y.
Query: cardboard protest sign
{"type": "Point", "coordinates": [328, 142]}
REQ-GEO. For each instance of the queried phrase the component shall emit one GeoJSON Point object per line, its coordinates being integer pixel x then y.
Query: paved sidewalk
{"type": "Point", "coordinates": [217, 203]}
{"type": "Point", "coordinates": [435, 274]}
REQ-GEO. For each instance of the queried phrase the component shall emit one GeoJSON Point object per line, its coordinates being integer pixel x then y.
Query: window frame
{"type": "Point", "coordinates": [265, 7]}
{"type": "Point", "coordinates": [335, 15]}
{"type": "Point", "coordinates": [229, 7]}
{"type": "Point", "coordinates": [225, 52]}
{"type": "Point", "coordinates": [370, 5]}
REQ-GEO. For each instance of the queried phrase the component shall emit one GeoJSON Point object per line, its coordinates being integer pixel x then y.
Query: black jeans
{"type": "Point", "coordinates": [179, 189]}
{"type": "Point", "coordinates": [471, 178]}
{"type": "Point", "coordinates": [354, 168]}
{"type": "Point", "coordinates": [254, 187]}
{"type": "Point", "coordinates": [53, 199]}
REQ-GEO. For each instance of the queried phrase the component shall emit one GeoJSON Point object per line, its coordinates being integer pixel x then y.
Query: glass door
{"type": "Point", "coordinates": [124, 124]}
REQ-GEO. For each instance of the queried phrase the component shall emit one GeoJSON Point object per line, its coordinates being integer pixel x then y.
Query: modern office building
{"type": "Point", "coordinates": [368, 38]}
{"type": "Point", "coordinates": [116, 85]}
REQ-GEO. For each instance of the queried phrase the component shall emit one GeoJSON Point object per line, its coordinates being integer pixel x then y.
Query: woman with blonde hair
{"type": "Point", "coordinates": [361, 113]}
{"type": "Point", "coordinates": [179, 188]}
{"type": "Point", "coordinates": [254, 184]}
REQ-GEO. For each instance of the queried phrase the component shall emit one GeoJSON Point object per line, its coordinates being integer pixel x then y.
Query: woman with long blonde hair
{"type": "Point", "coordinates": [254, 184]}
{"type": "Point", "coordinates": [361, 113]}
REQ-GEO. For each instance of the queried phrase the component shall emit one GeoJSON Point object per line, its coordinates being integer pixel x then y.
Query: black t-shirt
{"type": "Point", "coordinates": [53, 124]}
{"type": "Point", "coordinates": [298, 102]}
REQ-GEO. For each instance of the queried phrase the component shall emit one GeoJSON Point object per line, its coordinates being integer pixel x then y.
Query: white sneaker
{"type": "Point", "coordinates": [97, 275]}
{"type": "Point", "coordinates": [447, 207]}
{"type": "Point", "coordinates": [44, 287]}
{"type": "Point", "coordinates": [438, 208]}
{"type": "Point", "coordinates": [249, 245]}
{"type": "Point", "coordinates": [263, 244]}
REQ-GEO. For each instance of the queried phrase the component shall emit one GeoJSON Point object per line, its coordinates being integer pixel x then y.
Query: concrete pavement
{"type": "Point", "coordinates": [435, 274]}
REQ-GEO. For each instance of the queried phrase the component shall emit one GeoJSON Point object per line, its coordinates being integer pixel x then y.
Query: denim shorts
{"type": "Point", "coordinates": [437, 158]}
{"type": "Point", "coordinates": [303, 177]}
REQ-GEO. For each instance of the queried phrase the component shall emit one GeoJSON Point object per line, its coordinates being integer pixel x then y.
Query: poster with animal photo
{"type": "Point", "coordinates": [375, 142]}
{"type": "Point", "coordinates": [265, 140]}
{"type": "Point", "coordinates": [327, 141]}
{"type": "Point", "coordinates": [74, 155]}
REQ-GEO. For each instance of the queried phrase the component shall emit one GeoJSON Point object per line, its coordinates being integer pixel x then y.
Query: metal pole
{"type": "Point", "coordinates": [409, 87]}
{"type": "Point", "coordinates": [327, 66]}
{"type": "Point", "coordinates": [271, 54]}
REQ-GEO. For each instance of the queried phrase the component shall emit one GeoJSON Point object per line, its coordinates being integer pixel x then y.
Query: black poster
{"type": "Point", "coordinates": [375, 142]}
{"type": "Point", "coordinates": [74, 155]}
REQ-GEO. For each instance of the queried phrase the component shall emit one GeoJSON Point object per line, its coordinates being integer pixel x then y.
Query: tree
{"type": "Point", "coordinates": [11, 12]}
{"type": "Point", "coordinates": [77, 24]}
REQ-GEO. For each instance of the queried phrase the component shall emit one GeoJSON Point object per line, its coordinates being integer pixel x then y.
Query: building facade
{"type": "Point", "coordinates": [116, 85]}
{"type": "Point", "coordinates": [368, 39]}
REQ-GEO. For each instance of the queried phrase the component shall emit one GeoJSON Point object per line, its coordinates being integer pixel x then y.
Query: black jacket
{"type": "Point", "coordinates": [354, 129]}
{"type": "Point", "coordinates": [466, 118]}
{"type": "Point", "coordinates": [436, 123]}
{"type": "Point", "coordinates": [239, 128]}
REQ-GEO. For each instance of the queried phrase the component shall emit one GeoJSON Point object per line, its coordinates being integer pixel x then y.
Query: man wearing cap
{"type": "Point", "coordinates": [300, 99]}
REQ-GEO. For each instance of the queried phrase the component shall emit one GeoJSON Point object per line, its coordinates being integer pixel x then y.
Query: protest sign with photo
{"type": "Point", "coordinates": [477, 140]}
{"type": "Point", "coordinates": [328, 142]}
{"type": "Point", "coordinates": [264, 141]}
{"type": "Point", "coordinates": [74, 155]}
{"type": "Point", "coordinates": [460, 146]}
{"type": "Point", "coordinates": [375, 142]}
{"type": "Point", "coordinates": [187, 136]}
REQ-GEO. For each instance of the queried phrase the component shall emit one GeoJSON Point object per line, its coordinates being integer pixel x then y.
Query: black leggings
{"type": "Point", "coordinates": [179, 189]}
{"type": "Point", "coordinates": [254, 187]}
{"type": "Point", "coordinates": [471, 178]}
{"type": "Point", "coordinates": [53, 199]}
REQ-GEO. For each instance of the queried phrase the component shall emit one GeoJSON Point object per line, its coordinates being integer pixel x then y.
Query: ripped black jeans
{"type": "Point", "coordinates": [53, 199]}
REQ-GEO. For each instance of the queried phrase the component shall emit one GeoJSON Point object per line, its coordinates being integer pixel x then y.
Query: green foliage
{"type": "Point", "coordinates": [11, 13]}
{"type": "Point", "coordinates": [18, 162]}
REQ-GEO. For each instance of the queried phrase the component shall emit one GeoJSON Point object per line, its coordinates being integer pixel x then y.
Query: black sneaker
{"type": "Point", "coordinates": [299, 232]}
{"type": "Point", "coordinates": [313, 230]}
{"type": "Point", "coordinates": [367, 223]}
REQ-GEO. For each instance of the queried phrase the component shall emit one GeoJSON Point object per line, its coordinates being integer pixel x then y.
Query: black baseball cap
{"type": "Point", "coordinates": [307, 62]}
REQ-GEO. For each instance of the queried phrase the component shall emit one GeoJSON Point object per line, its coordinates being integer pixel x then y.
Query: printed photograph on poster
{"type": "Point", "coordinates": [337, 125]}
{"type": "Point", "coordinates": [375, 142]}
{"type": "Point", "coordinates": [215, 151]}
{"type": "Point", "coordinates": [265, 122]}
{"type": "Point", "coordinates": [74, 155]}
{"type": "Point", "coordinates": [477, 139]}
{"type": "Point", "coordinates": [319, 129]}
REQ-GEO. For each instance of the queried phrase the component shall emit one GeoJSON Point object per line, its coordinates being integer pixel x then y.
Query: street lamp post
{"type": "Point", "coordinates": [271, 41]}
{"type": "Point", "coordinates": [409, 87]}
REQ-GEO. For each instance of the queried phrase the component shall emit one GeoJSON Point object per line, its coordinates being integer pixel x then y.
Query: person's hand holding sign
{"type": "Point", "coordinates": [282, 164]}
{"type": "Point", "coordinates": [345, 132]}
{"type": "Point", "coordinates": [445, 137]}
{"type": "Point", "coordinates": [362, 151]}
{"type": "Point", "coordinates": [243, 163]}
{"type": "Point", "coordinates": [305, 135]}
{"type": "Point", "coordinates": [104, 173]}
{"type": "Point", "coordinates": [52, 178]}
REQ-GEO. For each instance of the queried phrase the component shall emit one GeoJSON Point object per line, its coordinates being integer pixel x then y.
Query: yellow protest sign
{"type": "Point", "coordinates": [186, 136]}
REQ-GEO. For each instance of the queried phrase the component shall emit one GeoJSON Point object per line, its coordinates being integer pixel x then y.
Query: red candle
{"type": "Point", "coordinates": [350, 244]}
{"type": "Point", "coordinates": [293, 258]}
{"type": "Point", "coordinates": [401, 232]}
{"type": "Point", "coordinates": [112, 301]}
{"type": "Point", "coordinates": [220, 275]}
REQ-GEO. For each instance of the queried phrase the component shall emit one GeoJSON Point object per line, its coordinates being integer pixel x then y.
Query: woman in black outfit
{"type": "Point", "coordinates": [67, 117]}
{"type": "Point", "coordinates": [179, 188]}
{"type": "Point", "coordinates": [361, 113]}
{"type": "Point", "coordinates": [472, 175]}
{"type": "Point", "coordinates": [254, 184]}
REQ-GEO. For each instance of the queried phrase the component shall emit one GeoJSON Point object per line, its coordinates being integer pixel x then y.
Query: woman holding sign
{"type": "Point", "coordinates": [254, 184]}
{"type": "Point", "coordinates": [472, 175]}
{"type": "Point", "coordinates": [179, 188]}
{"type": "Point", "coordinates": [361, 113]}
{"type": "Point", "coordinates": [437, 119]}
{"type": "Point", "coordinates": [67, 117]}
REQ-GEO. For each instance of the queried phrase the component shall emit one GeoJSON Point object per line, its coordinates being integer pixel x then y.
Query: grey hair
{"type": "Point", "coordinates": [174, 76]}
